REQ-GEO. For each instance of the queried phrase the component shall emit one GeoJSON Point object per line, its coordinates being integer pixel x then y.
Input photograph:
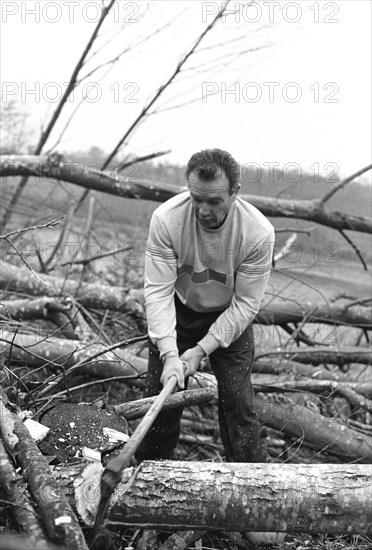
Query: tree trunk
{"type": "Point", "coordinates": [56, 167]}
{"type": "Point", "coordinates": [322, 498]}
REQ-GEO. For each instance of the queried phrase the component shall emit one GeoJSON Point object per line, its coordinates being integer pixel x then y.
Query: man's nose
{"type": "Point", "coordinates": [204, 210]}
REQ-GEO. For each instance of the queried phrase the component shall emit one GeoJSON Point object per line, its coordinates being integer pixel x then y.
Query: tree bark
{"type": "Point", "coordinates": [322, 498]}
{"type": "Point", "coordinates": [56, 167]}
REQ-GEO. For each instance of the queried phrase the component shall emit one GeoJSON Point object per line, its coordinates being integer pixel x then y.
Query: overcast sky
{"type": "Point", "coordinates": [304, 97]}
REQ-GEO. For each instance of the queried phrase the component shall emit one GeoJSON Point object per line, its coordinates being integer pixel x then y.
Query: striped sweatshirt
{"type": "Point", "coordinates": [224, 269]}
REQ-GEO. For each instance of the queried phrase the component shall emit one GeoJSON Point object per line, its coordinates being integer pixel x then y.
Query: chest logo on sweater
{"type": "Point", "coordinates": [204, 276]}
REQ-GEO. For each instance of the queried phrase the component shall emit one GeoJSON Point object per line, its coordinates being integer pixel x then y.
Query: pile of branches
{"type": "Point", "coordinates": [59, 343]}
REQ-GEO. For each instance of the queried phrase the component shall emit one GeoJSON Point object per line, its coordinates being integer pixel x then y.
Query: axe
{"type": "Point", "coordinates": [113, 472]}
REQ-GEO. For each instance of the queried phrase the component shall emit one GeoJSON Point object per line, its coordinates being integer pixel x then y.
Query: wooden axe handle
{"type": "Point", "coordinates": [117, 464]}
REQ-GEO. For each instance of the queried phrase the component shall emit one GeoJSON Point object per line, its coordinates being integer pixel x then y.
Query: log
{"type": "Point", "coordinates": [38, 307]}
{"type": "Point", "coordinates": [139, 407]}
{"type": "Point", "coordinates": [55, 167]}
{"type": "Point", "coordinates": [59, 519]}
{"type": "Point", "coordinates": [315, 430]}
{"type": "Point", "coordinates": [91, 295]}
{"type": "Point", "coordinates": [321, 498]}
{"type": "Point", "coordinates": [279, 365]}
{"type": "Point", "coordinates": [318, 431]}
{"type": "Point", "coordinates": [320, 355]}
{"type": "Point", "coordinates": [35, 350]}
{"type": "Point", "coordinates": [17, 542]}
{"type": "Point", "coordinates": [267, 383]}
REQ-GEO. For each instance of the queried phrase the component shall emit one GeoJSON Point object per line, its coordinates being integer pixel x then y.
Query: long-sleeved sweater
{"type": "Point", "coordinates": [224, 269]}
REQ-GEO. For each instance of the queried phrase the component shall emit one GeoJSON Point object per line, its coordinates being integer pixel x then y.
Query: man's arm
{"type": "Point", "coordinates": [160, 278]}
{"type": "Point", "coordinates": [250, 284]}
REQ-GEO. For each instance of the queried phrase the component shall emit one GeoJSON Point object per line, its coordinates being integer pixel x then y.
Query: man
{"type": "Point", "coordinates": [208, 260]}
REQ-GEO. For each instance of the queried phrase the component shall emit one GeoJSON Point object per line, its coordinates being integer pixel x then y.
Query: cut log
{"type": "Point", "coordinates": [59, 519]}
{"type": "Point", "coordinates": [321, 498]}
{"type": "Point", "coordinates": [56, 167]}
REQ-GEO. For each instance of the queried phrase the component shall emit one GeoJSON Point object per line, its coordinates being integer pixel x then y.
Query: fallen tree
{"type": "Point", "coordinates": [56, 167]}
{"type": "Point", "coordinates": [322, 498]}
{"type": "Point", "coordinates": [91, 295]}
{"type": "Point", "coordinates": [277, 310]}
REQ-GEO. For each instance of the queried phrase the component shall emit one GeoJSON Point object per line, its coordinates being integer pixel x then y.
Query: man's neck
{"type": "Point", "coordinates": [220, 224]}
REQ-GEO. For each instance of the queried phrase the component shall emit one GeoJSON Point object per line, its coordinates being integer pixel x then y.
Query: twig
{"type": "Point", "coordinates": [25, 261]}
{"type": "Point", "coordinates": [52, 223]}
{"type": "Point", "coordinates": [99, 256]}
{"type": "Point", "coordinates": [355, 248]}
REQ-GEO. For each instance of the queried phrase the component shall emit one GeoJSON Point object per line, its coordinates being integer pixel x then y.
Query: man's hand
{"type": "Point", "coordinates": [192, 358]}
{"type": "Point", "coordinates": [173, 366]}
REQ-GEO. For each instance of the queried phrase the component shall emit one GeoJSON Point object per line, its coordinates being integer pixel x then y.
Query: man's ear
{"type": "Point", "coordinates": [237, 187]}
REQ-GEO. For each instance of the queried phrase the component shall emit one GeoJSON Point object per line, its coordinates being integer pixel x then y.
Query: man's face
{"type": "Point", "coordinates": [211, 200]}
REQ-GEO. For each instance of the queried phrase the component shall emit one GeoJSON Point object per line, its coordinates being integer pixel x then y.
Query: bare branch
{"type": "Point", "coordinates": [56, 167]}
{"type": "Point", "coordinates": [344, 182]}
{"type": "Point", "coordinates": [25, 261]}
{"type": "Point", "coordinates": [137, 160]}
{"type": "Point", "coordinates": [45, 134]}
{"type": "Point", "coordinates": [164, 86]}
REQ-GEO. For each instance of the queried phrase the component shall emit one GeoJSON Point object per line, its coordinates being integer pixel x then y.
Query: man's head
{"type": "Point", "coordinates": [213, 178]}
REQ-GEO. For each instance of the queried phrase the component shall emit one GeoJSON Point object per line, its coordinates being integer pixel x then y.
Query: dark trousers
{"type": "Point", "coordinates": [232, 367]}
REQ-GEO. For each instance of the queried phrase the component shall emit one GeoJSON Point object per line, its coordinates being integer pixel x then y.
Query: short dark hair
{"type": "Point", "coordinates": [209, 162]}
